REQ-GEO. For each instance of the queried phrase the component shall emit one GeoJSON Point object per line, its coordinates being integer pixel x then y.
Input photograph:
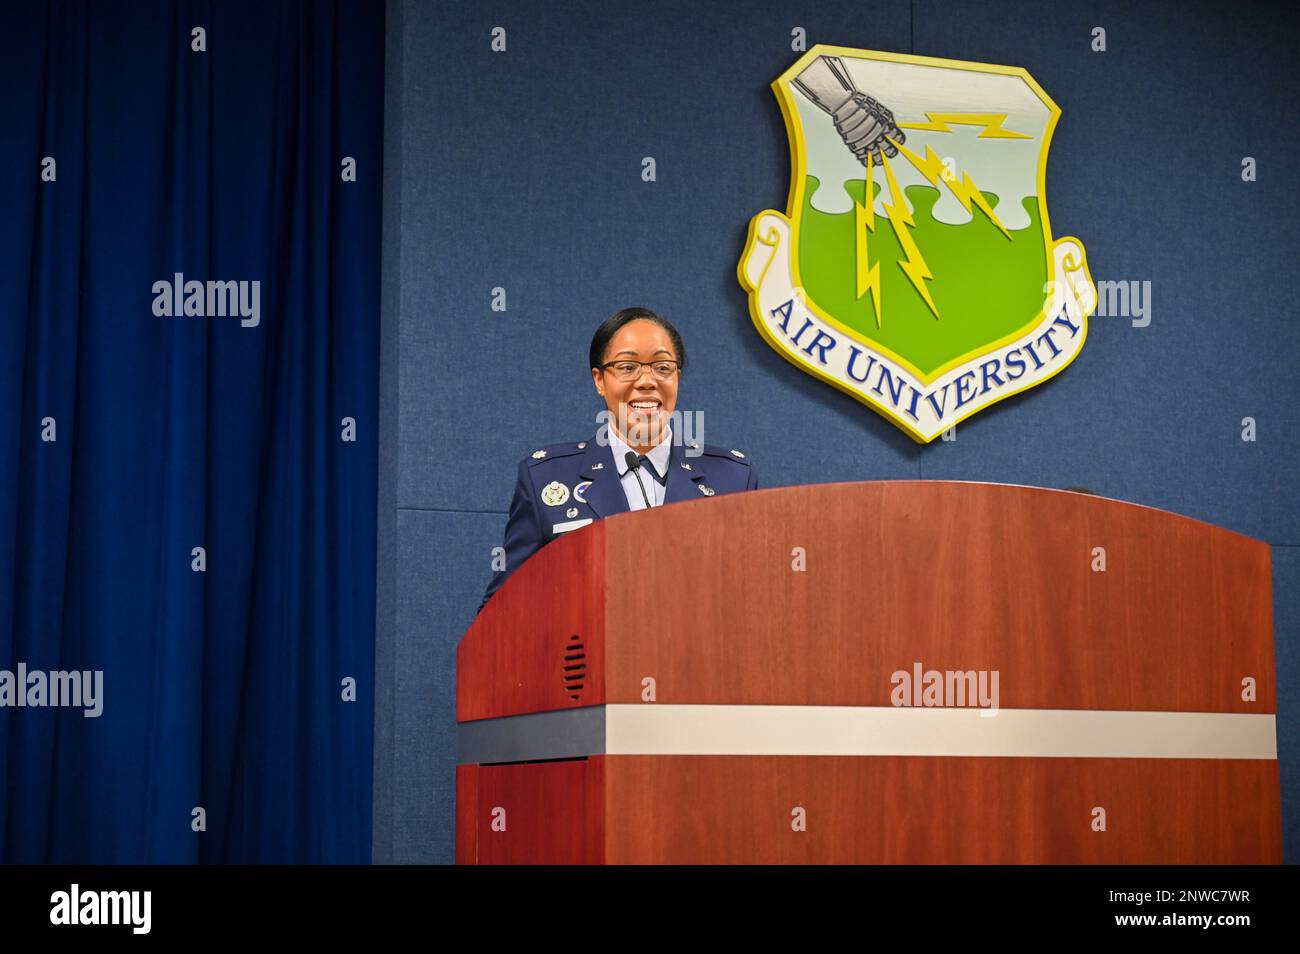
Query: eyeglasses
{"type": "Point", "coordinates": [631, 370]}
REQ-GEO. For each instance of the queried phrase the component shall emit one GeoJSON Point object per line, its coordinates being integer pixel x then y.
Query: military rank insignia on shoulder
{"type": "Point", "coordinates": [552, 451]}
{"type": "Point", "coordinates": [729, 453]}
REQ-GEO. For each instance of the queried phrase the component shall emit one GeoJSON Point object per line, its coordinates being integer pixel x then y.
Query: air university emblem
{"type": "Point", "coordinates": [914, 267]}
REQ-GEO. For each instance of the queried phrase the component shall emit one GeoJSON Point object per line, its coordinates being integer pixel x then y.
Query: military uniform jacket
{"type": "Point", "coordinates": [563, 487]}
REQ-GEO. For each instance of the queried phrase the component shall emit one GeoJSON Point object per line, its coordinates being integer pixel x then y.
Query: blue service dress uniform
{"type": "Point", "coordinates": [563, 487]}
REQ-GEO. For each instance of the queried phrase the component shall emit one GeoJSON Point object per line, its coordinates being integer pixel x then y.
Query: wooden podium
{"type": "Point", "coordinates": [718, 682]}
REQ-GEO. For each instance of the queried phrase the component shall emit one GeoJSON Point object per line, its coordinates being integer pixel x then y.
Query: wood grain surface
{"type": "Point", "coordinates": [517, 655]}
{"type": "Point", "coordinates": [955, 576]}
{"type": "Point", "coordinates": [886, 810]}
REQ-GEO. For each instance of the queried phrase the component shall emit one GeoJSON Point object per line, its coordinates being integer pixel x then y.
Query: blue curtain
{"type": "Point", "coordinates": [129, 438]}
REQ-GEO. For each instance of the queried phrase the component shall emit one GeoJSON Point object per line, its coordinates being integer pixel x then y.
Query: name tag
{"type": "Point", "coordinates": [571, 525]}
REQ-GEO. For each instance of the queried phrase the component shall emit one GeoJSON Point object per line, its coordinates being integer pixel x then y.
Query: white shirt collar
{"type": "Point", "coordinates": [658, 455]}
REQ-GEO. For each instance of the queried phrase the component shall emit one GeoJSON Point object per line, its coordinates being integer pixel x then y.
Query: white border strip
{"type": "Point", "coordinates": [655, 729]}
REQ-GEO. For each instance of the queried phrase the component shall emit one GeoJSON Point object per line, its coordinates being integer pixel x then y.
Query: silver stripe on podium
{"type": "Point", "coordinates": [656, 729]}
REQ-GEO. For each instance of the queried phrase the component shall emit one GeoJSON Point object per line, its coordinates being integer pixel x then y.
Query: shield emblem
{"type": "Point", "coordinates": [914, 266]}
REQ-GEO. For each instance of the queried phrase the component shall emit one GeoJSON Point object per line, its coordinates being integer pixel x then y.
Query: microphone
{"type": "Point", "coordinates": [634, 465]}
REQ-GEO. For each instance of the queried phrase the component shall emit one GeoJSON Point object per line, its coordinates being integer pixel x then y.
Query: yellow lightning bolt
{"type": "Point", "coordinates": [865, 221]}
{"type": "Point", "coordinates": [965, 191]}
{"type": "Point", "coordinates": [914, 267]}
{"type": "Point", "coordinates": [992, 123]}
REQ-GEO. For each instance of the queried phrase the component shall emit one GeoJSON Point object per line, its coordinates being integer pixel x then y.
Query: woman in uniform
{"type": "Point", "coordinates": [637, 359]}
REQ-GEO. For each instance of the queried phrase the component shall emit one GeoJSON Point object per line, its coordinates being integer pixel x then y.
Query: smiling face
{"type": "Point", "coordinates": [640, 408]}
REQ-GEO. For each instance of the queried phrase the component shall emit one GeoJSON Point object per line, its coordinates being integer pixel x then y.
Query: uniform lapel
{"type": "Point", "coordinates": [605, 495]}
{"type": "Point", "coordinates": [681, 480]}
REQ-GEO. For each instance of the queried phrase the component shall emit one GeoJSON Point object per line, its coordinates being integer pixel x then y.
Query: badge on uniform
{"type": "Point", "coordinates": [707, 491]}
{"type": "Point", "coordinates": [579, 490]}
{"type": "Point", "coordinates": [570, 525]}
{"type": "Point", "coordinates": [554, 494]}
{"type": "Point", "coordinates": [571, 512]}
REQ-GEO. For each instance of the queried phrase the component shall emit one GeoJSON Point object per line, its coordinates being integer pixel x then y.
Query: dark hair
{"type": "Point", "coordinates": [609, 327]}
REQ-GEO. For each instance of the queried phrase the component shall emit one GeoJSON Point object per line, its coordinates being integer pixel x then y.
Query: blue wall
{"type": "Point", "coordinates": [522, 170]}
